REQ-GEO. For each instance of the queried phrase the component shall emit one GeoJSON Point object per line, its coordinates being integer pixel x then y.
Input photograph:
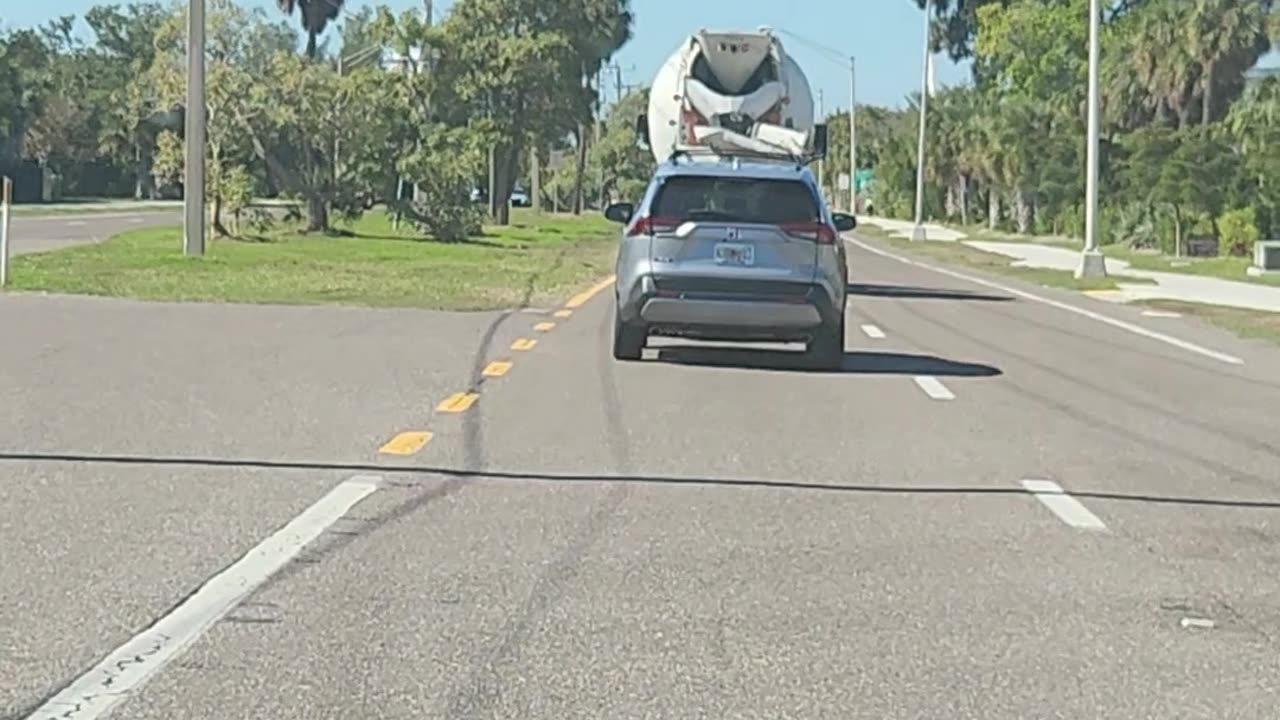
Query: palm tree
{"type": "Point", "coordinates": [1226, 37]}
{"type": "Point", "coordinates": [315, 16]}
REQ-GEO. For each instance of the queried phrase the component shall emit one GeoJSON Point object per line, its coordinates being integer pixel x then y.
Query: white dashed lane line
{"type": "Point", "coordinates": [1068, 509]}
{"type": "Point", "coordinates": [873, 332]}
{"type": "Point", "coordinates": [1099, 317]}
{"type": "Point", "coordinates": [933, 387]}
{"type": "Point", "coordinates": [95, 693]}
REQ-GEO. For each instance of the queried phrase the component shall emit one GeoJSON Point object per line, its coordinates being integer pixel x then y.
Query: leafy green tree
{"type": "Point", "coordinates": [125, 48]}
{"type": "Point", "coordinates": [237, 105]}
{"type": "Point", "coordinates": [348, 130]}
{"type": "Point", "coordinates": [618, 158]}
{"type": "Point", "coordinates": [508, 69]}
{"type": "Point", "coordinates": [1254, 124]}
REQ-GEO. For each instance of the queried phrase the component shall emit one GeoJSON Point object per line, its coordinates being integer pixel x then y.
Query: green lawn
{"type": "Point", "coordinates": [984, 234]}
{"type": "Point", "coordinates": [1226, 268]}
{"type": "Point", "coordinates": [536, 260]}
{"type": "Point", "coordinates": [957, 253]}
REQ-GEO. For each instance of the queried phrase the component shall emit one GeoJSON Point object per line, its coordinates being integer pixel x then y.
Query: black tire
{"type": "Point", "coordinates": [628, 339]}
{"type": "Point", "coordinates": [825, 351]}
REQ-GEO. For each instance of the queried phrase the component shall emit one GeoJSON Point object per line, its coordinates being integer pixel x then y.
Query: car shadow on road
{"type": "Point", "coordinates": [855, 363]}
{"type": "Point", "coordinates": [920, 293]}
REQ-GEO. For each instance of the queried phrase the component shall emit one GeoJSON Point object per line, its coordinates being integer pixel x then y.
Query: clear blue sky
{"type": "Point", "coordinates": [886, 40]}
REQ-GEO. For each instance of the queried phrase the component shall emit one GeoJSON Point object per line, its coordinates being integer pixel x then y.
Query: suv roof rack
{"type": "Point", "coordinates": [690, 152]}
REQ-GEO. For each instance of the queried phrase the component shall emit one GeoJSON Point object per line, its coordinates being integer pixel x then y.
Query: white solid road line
{"type": "Point", "coordinates": [1068, 509]}
{"type": "Point", "coordinates": [1130, 327]}
{"type": "Point", "coordinates": [95, 693]}
{"type": "Point", "coordinates": [873, 332]}
{"type": "Point", "coordinates": [933, 387]}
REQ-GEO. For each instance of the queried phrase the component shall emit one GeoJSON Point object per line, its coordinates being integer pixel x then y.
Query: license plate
{"type": "Point", "coordinates": [735, 254]}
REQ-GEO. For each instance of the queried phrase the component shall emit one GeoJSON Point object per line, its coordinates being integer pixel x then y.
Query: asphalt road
{"type": "Point", "coordinates": [41, 234]}
{"type": "Point", "coordinates": [707, 533]}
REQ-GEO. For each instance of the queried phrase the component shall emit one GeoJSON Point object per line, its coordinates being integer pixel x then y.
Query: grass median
{"type": "Point", "coordinates": [1245, 323]}
{"type": "Point", "coordinates": [537, 260]}
{"type": "Point", "coordinates": [1223, 268]}
{"type": "Point", "coordinates": [959, 254]}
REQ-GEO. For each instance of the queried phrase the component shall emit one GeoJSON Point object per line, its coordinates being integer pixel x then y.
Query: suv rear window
{"type": "Point", "coordinates": [772, 202]}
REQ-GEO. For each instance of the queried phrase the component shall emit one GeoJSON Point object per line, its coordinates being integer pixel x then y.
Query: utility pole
{"type": "Point", "coordinates": [617, 80]}
{"type": "Point", "coordinates": [853, 137]}
{"type": "Point", "coordinates": [599, 122]}
{"type": "Point", "coordinates": [1092, 262]}
{"type": "Point", "coordinates": [535, 180]}
{"type": "Point", "coordinates": [6, 198]}
{"type": "Point", "coordinates": [429, 6]}
{"type": "Point", "coordinates": [194, 133]}
{"type": "Point", "coordinates": [918, 233]}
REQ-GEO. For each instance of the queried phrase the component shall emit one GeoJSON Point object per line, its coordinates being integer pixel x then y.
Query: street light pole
{"type": "Point", "coordinates": [1092, 262]}
{"type": "Point", "coordinates": [918, 233]}
{"type": "Point", "coordinates": [194, 132]}
{"type": "Point", "coordinates": [853, 137]}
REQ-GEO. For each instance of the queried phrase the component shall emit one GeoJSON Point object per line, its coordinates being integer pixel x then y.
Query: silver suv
{"type": "Point", "coordinates": [732, 250]}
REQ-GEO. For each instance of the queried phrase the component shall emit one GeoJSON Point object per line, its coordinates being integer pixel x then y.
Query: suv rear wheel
{"type": "Point", "coordinates": [628, 339]}
{"type": "Point", "coordinates": [825, 350]}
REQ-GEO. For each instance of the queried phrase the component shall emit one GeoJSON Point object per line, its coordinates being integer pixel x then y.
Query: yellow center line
{"type": "Point", "coordinates": [523, 344]}
{"type": "Point", "coordinates": [497, 368]}
{"type": "Point", "coordinates": [457, 402]}
{"type": "Point", "coordinates": [581, 298]}
{"type": "Point", "coordinates": [563, 313]}
{"type": "Point", "coordinates": [544, 326]}
{"type": "Point", "coordinates": [406, 443]}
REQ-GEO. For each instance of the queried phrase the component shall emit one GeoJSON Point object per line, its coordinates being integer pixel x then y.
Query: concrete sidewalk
{"type": "Point", "coordinates": [1168, 286]}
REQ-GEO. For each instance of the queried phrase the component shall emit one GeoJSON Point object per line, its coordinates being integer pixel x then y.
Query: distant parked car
{"type": "Point", "coordinates": [519, 198]}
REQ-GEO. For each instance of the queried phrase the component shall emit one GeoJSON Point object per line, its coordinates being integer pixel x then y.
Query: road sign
{"type": "Point", "coordinates": [843, 181]}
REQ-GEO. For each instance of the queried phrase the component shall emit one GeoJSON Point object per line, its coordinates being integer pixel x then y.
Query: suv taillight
{"type": "Point", "coordinates": [821, 233]}
{"type": "Point", "coordinates": [651, 225]}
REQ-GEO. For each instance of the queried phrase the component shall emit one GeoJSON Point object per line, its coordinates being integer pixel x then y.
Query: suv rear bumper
{"type": "Point", "coordinates": [715, 307]}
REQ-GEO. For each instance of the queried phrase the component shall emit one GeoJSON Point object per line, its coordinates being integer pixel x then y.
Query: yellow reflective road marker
{"type": "Point", "coordinates": [581, 298]}
{"type": "Point", "coordinates": [563, 313]}
{"type": "Point", "coordinates": [457, 402]}
{"type": "Point", "coordinates": [544, 326]}
{"type": "Point", "coordinates": [406, 443]}
{"type": "Point", "coordinates": [523, 344]}
{"type": "Point", "coordinates": [497, 368]}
